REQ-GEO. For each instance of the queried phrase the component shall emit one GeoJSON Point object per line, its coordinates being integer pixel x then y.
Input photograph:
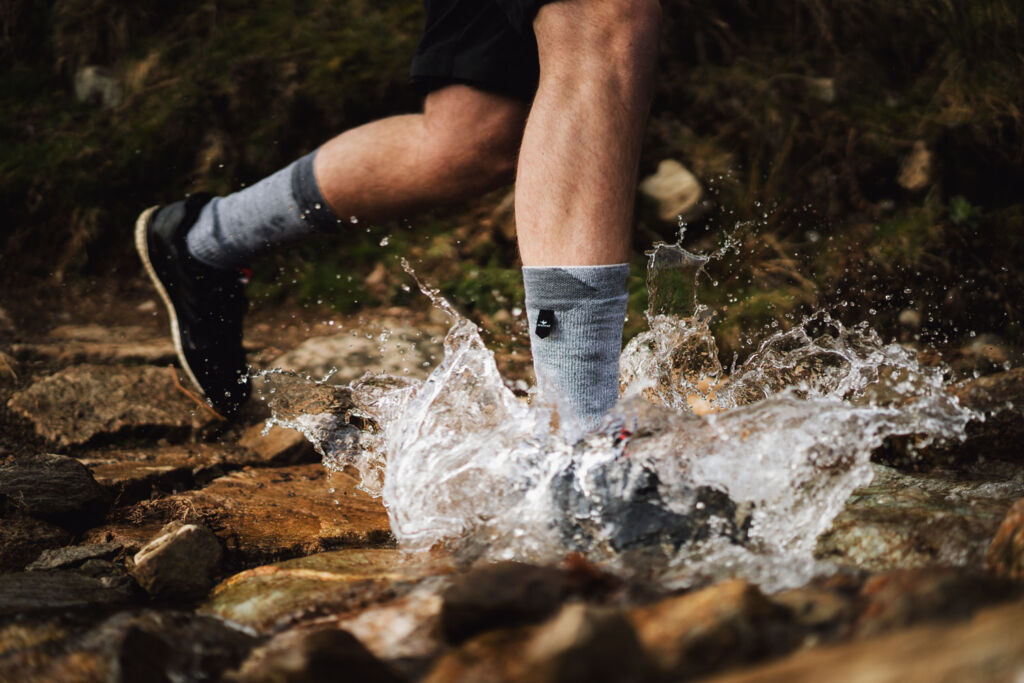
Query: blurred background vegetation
{"type": "Point", "coordinates": [797, 117]}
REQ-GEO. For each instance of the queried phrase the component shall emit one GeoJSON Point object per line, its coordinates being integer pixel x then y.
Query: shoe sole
{"type": "Point", "coordinates": [142, 246]}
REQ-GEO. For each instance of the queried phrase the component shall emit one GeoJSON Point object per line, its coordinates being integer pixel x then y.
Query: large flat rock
{"type": "Point", "coordinates": [51, 487]}
{"type": "Point", "coordinates": [904, 520]}
{"type": "Point", "coordinates": [146, 645]}
{"type": "Point", "coordinates": [69, 344]}
{"type": "Point", "coordinates": [85, 401]}
{"type": "Point", "coordinates": [327, 583]}
{"type": "Point", "coordinates": [22, 539]}
{"type": "Point", "coordinates": [391, 348]}
{"type": "Point", "coordinates": [133, 474]}
{"type": "Point", "coordinates": [57, 591]}
{"type": "Point", "coordinates": [263, 514]}
{"type": "Point", "coordinates": [131, 344]}
{"type": "Point", "coordinates": [989, 647]}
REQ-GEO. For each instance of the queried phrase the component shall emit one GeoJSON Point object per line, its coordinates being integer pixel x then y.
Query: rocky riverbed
{"type": "Point", "coordinates": [144, 539]}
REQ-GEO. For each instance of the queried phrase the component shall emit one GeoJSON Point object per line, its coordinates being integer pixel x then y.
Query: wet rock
{"type": "Point", "coordinates": [918, 168]}
{"type": "Point", "coordinates": [141, 646]}
{"type": "Point", "coordinates": [21, 635]}
{"type": "Point", "coordinates": [304, 656]}
{"type": "Point", "coordinates": [291, 396]}
{"type": "Point", "coordinates": [263, 515]}
{"type": "Point", "coordinates": [821, 612]}
{"type": "Point", "coordinates": [504, 595]}
{"type": "Point", "coordinates": [675, 191]}
{"type": "Point", "coordinates": [22, 539]}
{"type": "Point", "coordinates": [999, 400]}
{"type": "Point", "coordinates": [911, 520]}
{"type": "Point", "coordinates": [581, 643]}
{"type": "Point", "coordinates": [397, 350]}
{"type": "Point", "coordinates": [986, 648]}
{"type": "Point", "coordinates": [74, 556]}
{"type": "Point", "coordinates": [42, 592]}
{"type": "Point", "coordinates": [493, 657]}
{"type": "Point", "coordinates": [585, 643]}
{"type": "Point", "coordinates": [902, 598]}
{"type": "Point", "coordinates": [1000, 397]}
{"type": "Point", "coordinates": [279, 446]}
{"type": "Point", "coordinates": [984, 355]}
{"type": "Point", "coordinates": [130, 475]}
{"type": "Point", "coordinates": [726, 624]}
{"type": "Point", "coordinates": [69, 344]}
{"type": "Point", "coordinates": [54, 488]}
{"type": "Point", "coordinates": [96, 85]}
{"type": "Point", "coordinates": [1006, 552]}
{"type": "Point", "coordinates": [181, 562]}
{"type": "Point", "coordinates": [404, 632]}
{"type": "Point", "coordinates": [83, 401]}
{"type": "Point", "coordinates": [328, 583]}
{"type": "Point", "coordinates": [72, 344]}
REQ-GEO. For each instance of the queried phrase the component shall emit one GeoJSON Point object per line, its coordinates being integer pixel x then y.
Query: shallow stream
{"type": "Point", "coordinates": [697, 473]}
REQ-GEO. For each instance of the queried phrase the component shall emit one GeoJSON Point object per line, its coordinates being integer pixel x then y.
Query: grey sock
{"type": "Point", "coordinates": [576, 316]}
{"type": "Point", "coordinates": [281, 208]}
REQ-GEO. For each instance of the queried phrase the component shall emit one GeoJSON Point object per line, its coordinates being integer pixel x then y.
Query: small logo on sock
{"type": "Point", "coordinates": [545, 323]}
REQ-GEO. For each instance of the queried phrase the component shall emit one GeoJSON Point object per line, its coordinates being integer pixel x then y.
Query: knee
{"type": "Point", "coordinates": [621, 34]}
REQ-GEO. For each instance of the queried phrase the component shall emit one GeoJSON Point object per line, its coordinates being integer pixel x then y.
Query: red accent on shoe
{"type": "Point", "coordinates": [620, 440]}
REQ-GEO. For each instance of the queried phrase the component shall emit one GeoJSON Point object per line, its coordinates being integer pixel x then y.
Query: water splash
{"type": "Point", "coordinates": [723, 475]}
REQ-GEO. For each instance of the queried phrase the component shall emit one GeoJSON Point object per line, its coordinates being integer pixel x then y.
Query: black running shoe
{"type": "Point", "coordinates": [205, 304]}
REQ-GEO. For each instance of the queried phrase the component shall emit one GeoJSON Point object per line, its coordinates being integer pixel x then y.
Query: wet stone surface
{"type": "Point", "coordinates": [74, 556]}
{"type": "Point", "coordinates": [400, 350]}
{"type": "Point", "coordinates": [988, 647]}
{"type": "Point", "coordinates": [69, 344]}
{"type": "Point", "coordinates": [85, 401]}
{"type": "Point", "coordinates": [733, 621]}
{"type": "Point", "coordinates": [44, 592]}
{"type": "Point", "coordinates": [903, 598]}
{"type": "Point", "coordinates": [502, 595]}
{"type": "Point", "coordinates": [904, 520]}
{"type": "Point", "coordinates": [262, 514]}
{"type": "Point", "coordinates": [181, 562]}
{"type": "Point", "coordinates": [911, 598]}
{"type": "Point", "coordinates": [1006, 553]}
{"type": "Point", "coordinates": [322, 654]}
{"type": "Point", "coordinates": [137, 646]}
{"type": "Point", "coordinates": [22, 539]}
{"type": "Point", "coordinates": [329, 583]}
{"type": "Point", "coordinates": [54, 488]}
{"type": "Point", "coordinates": [130, 475]}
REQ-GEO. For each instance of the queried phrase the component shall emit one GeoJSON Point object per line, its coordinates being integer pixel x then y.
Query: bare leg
{"type": "Point", "coordinates": [578, 163]}
{"type": "Point", "coordinates": [464, 143]}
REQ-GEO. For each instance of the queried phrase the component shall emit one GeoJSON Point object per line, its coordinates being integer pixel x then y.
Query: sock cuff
{"type": "Point", "coordinates": [565, 287]}
{"type": "Point", "coordinates": [312, 206]}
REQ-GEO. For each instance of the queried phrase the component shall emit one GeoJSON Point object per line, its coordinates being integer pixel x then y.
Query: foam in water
{"type": "Point", "coordinates": [723, 475]}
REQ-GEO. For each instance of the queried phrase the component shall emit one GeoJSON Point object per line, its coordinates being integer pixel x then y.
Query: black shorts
{"type": "Point", "coordinates": [484, 43]}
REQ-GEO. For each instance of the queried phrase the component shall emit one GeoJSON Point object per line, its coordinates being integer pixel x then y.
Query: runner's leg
{"type": "Point", "coordinates": [463, 144]}
{"type": "Point", "coordinates": [575, 190]}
